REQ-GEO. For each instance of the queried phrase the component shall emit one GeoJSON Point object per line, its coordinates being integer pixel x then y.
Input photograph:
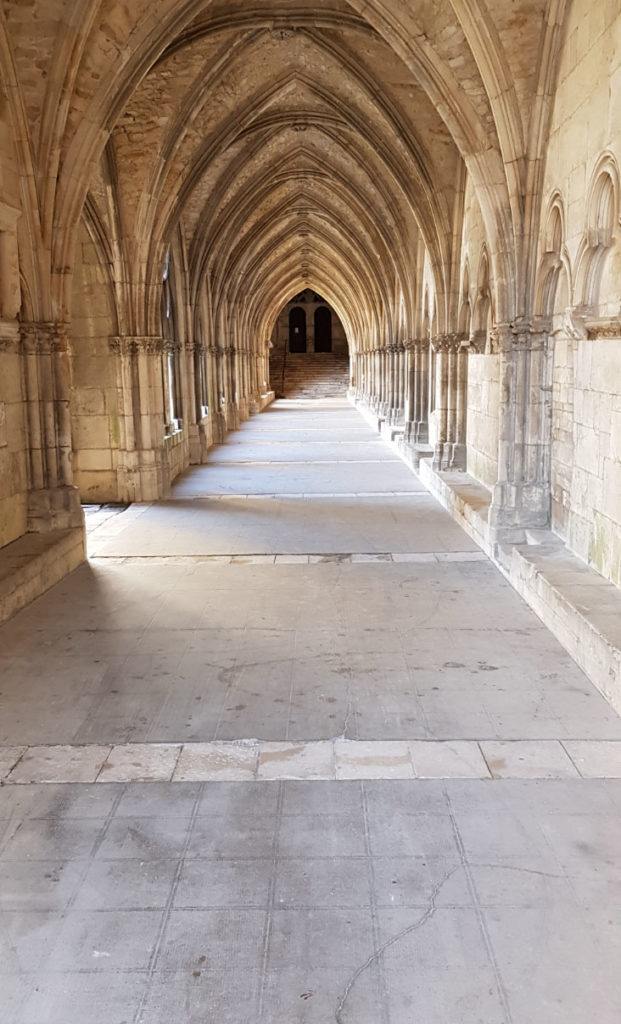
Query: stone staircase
{"type": "Point", "coordinates": [310, 375]}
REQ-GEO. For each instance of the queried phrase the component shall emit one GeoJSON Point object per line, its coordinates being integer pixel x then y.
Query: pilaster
{"type": "Point", "coordinates": [53, 500]}
{"type": "Point", "coordinates": [143, 465]}
{"type": "Point", "coordinates": [521, 497]}
{"type": "Point", "coordinates": [448, 447]}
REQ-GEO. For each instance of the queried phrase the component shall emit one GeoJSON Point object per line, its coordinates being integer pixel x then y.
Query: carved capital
{"type": "Point", "coordinates": [477, 342]}
{"type": "Point", "coordinates": [10, 338]}
{"type": "Point", "coordinates": [521, 335]}
{"type": "Point", "coordinates": [451, 342]}
{"type": "Point", "coordinates": [133, 344]}
{"type": "Point", "coordinates": [608, 327]}
{"type": "Point", "coordinates": [44, 337]}
{"type": "Point", "coordinates": [574, 325]}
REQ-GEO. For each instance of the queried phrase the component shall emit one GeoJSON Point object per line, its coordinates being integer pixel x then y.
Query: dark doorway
{"type": "Point", "coordinates": [297, 329]}
{"type": "Point", "coordinates": [323, 329]}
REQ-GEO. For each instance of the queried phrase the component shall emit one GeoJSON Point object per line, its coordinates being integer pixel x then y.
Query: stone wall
{"type": "Point", "coordinates": [582, 180]}
{"type": "Point", "coordinates": [594, 527]}
{"type": "Point", "coordinates": [476, 315]}
{"type": "Point", "coordinates": [13, 438]}
{"type": "Point", "coordinates": [95, 411]}
{"type": "Point", "coordinates": [482, 431]}
{"type": "Point", "coordinates": [561, 469]}
{"type": "Point", "coordinates": [13, 410]}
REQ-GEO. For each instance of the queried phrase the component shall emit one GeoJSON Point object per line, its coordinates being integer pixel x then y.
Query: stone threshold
{"type": "Point", "coordinates": [579, 607]}
{"type": "Point", "coordinates": [33, 563]}
{"type": "Point", "coordinates": [293, 558]}
{"type": "Point", "coordinates": [328, 760]}
{"type": "Point", "coordinates": [298, 495]}
{"type": "Point", "coordinates": [300, 462]}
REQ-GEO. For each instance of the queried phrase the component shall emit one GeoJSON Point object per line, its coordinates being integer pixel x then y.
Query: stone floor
{"type": "Point", "coordinates": [342, 772]}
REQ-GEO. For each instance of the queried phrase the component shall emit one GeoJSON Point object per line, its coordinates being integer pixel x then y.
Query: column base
{"type": "Point", "coordinates": [144, 475]}
{"type": "Point", "coordinates": [454, 457]}
{"type": "Point", "coordinates": [55, 508]}
{"type": "Point", "coordinates": [519, 507]}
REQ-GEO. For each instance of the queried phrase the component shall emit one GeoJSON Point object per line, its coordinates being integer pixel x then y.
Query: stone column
{"type": "Point", "coordinates": [446, 347]}
{"type": "Point", "coordinates": [383, 381]}
{"type": "Point", "coordinates": [233, 408]}
{"type": "Point", "coordinates": [366, 380]}
{"type": "Point", "coordinates": [420, 348]}
{"type": "Point", "coordinates": [355, 362]}
{"type": "Point", "coordinates": [459, 453]}
{"type": "Point", "coordinates": [54, 501]}
{"type": "Point", "coordinates": [217, 388]}
{"type": "Point", "coordinates": [199, 430]}
{"type": "Point", "coordinates": [441, 346]}
{"type": "Point", "coordinates": [144, 470]}
{"type": "Point", "coordinates": [521, 497]}
{"type": "Point", "coordinates": [395, 399]}
{"type": "Point", "coordinates": [377, 391]}
{"type": "Point", "coordinates": [409, 384]}
{"type": "Point", "coordinates": [388, 382]}
{"type": "Point", "coordinates": [401, 380]}
{"type": "Point", "coordinates": [454, 455]}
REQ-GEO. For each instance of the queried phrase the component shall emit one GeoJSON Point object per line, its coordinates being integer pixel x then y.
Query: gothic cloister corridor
{"type": "Point", "coordinates": [310, 511]}
{"type": "Point", "coordinates": [289, 749]}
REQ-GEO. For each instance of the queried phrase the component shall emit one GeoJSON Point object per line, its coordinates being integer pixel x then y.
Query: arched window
{"type": "Point", "coordinates": [170, 358]}
{"type": "Point", "coordinates": [200, 376]}
{"type": "Point", "coordinates": [553, 279]}
{"type": "Point", "coordinates": [602, 207]}
{"type": "Point", "coordinates": [323, 329]}
{"type": "Point", "coordinates": [297, 329]}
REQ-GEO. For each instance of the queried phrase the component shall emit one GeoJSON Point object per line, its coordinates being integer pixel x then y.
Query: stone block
{"type": "Point", "coordinates": [33, 563]}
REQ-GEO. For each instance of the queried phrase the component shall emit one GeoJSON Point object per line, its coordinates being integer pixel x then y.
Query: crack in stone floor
{"type": "Point", "coordinates": [290, 749]}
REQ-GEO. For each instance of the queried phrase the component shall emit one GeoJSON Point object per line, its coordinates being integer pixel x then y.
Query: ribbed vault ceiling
{"type": "Point", "coordinates": [294, 144]}
{"type": "Point", "coordinates": [295, 150]}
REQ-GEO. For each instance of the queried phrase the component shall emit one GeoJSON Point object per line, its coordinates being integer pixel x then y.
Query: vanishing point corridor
{"type": "Point", "coordinates": [290, 750]}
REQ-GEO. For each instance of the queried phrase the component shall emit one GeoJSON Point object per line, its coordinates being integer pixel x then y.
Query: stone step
{"type": "Point", "coordinates": [310, 375]}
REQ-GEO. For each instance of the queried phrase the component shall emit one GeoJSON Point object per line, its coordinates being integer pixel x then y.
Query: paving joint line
{"type": "Point", "coordinates": [333, 759]}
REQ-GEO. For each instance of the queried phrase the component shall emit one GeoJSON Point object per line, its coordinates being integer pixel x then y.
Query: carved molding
{"type": "Point", "coordinates": [167, 345]}
{"type": "Point", "coordinates": [574, 324]}
{"type": "Point", "coordinates": [447, 343]}
{"type": "Point", "coordinates": [10, 338]}
{"type": "Point", "coordinates": [521, 335]}
{"type": "Point", "coordinates": [44, 337]}
{"type": "Point", "coordinates": [477, 342]}
{"type": "Point", "coordinates": [607, 327]}
{"type": "Point", "coordinates": [129, 345]}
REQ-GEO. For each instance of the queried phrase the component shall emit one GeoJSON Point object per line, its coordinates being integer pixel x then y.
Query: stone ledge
{"type": "Point", "coordinates": [261, 402]}
{"type": "Point", "coordinates": [580, 607]}
{"type": "Point", "coordinates": [34, 563]}
{"type": "Point", "coordinates": [465, 498]}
